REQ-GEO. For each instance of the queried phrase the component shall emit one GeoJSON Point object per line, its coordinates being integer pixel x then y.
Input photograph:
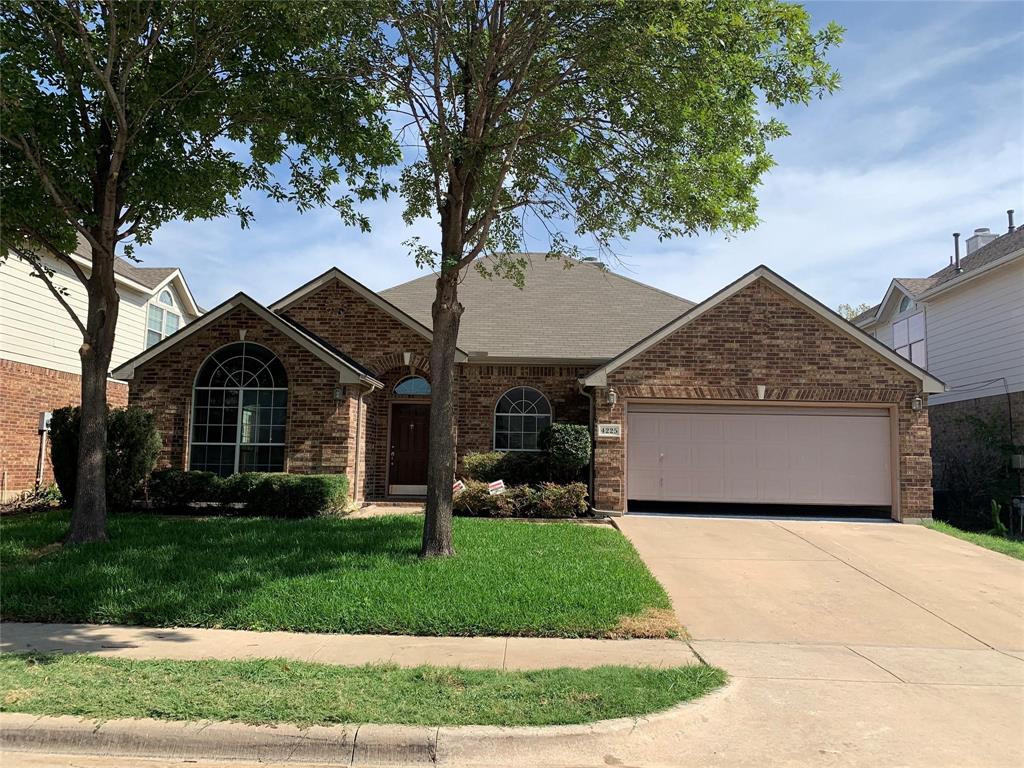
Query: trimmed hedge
{"type": "Point", "coordinates": [514, 467]}
{"type": "Point", "coordinates": [565, 453]}
{"type": "Point", "coordinates": [568, 449]}
{"type": "Point", "coordinates": [133, 444]}
{"type": "Point", "coordinates": [268, 494]}
{"type": "Point", "coordinates": [546, 500]}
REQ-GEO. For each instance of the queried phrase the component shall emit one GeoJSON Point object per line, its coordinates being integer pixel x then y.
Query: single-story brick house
{"type": "Point", "coordinates": [759, 395]}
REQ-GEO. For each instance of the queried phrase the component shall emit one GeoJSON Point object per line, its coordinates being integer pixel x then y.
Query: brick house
{"type": "Point", "coordinates": [40, 369]}
{"type": "Point", "coordinates": [758, 396]}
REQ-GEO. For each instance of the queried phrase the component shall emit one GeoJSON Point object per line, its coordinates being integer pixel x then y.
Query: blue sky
{"type": "Point", "coordinates": [925, 137]}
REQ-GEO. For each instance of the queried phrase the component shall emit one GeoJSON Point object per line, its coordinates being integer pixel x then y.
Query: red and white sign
{"type": "Point", "coordinates": [458, 487]}
{"type": "Point", "coordinates": [498, 486]}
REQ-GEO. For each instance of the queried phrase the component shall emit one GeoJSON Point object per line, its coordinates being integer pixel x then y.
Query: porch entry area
{"type": "Point", "coordinates": [407, 448]}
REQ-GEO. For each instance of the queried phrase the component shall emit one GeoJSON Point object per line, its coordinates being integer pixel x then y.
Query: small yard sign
{"type": "Point", "coordinates": [458, 487]}
{"type": "Point", "coordinates": [498, 486]}
{"type": "Point", "coordinates": [609, 430]}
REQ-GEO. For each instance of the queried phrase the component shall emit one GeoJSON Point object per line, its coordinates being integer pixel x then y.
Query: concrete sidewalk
{"type": "Point", "coordinates": [513, 653]}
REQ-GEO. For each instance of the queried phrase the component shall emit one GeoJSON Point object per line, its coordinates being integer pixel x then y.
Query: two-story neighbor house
{"type": "Point", "coordinates": [965, 324]}
{"type": "Point", "coordinates": [39, 364]}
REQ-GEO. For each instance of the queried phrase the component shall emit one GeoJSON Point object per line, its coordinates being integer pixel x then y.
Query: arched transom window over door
{"type": "Point", "coordinates": [519, 417]}
{"type": "Point", "coordinates": [239, 411]}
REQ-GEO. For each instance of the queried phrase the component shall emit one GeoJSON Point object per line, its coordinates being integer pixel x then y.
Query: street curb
{"type": "Point", "coordinates": [352, 745]}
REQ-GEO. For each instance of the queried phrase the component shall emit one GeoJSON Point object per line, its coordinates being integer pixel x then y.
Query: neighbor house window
{"type": "Point", "coordinates": [904, 304]}
{"type": "Point", "coordinates": [519, 417]}
{"type": "Point", "coordinates": [239, 411]}
{"type": "Point", "coordinates": [908, 339]}
{"type": "Point", "coordinates": [162, 319]}
{"type": "Point", "coordinates": [413, 386]}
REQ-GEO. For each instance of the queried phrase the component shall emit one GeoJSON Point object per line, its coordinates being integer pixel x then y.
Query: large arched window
{"type": "Point", "coordinates": [519, 417]}
{"type": "Point", "coordinates": [239, 410]}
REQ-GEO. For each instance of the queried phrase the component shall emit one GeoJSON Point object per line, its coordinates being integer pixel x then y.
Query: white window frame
{"type": "Point", "coordinates": [238, 421]}
{"type": "Point", "coordinates": [915, 346]}
{"type": "Point", "coordinates": [495, 414]}
{"type": "Point", "coordinates": [164, 308]}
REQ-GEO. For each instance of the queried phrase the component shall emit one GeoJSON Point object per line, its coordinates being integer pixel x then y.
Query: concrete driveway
{"type": "Point", "coordinates": [850, 643]}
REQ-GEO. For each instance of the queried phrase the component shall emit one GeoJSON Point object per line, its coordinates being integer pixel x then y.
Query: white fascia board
{"type": "Point", "coordinates": [347, 374]}
{"type": "Point", "coordinates": [966, 277]}
{"type": "Point", "coordinates": [183, 289]}
{"type": "Point", "coordinates": [929, 383]}
{"type": "Point", "coordinates": [371, 296]}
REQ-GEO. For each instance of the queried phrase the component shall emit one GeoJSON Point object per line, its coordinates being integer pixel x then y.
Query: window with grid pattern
{"type": "Point", "coordinates": [519, 417]}
{"type": "Point", "coordinates": [239, 411]}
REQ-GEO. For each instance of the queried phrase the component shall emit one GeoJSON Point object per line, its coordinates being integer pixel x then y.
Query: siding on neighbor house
{"type": "Point", "coordinates": [36, 330]}
{"type": "Point", "coordinates": [976, 333]}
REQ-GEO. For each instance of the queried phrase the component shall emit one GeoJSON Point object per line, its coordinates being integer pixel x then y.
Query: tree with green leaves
{"type": "Point", "coordinates": [120, 116]}
{"type": "Point", "coordinates": [850, 311]}
{"type": "Point", "coordinates": [579, 121]}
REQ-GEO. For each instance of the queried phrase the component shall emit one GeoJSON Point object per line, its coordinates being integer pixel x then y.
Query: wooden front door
{"type": "Point", "coordinates": [408, 448]}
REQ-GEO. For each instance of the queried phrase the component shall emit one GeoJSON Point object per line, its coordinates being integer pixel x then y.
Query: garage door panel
{"type": "Point", "coordinates": [752, 455]}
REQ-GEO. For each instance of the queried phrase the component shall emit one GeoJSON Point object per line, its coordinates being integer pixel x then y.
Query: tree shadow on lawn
{"type": "Point", "coordinates": [201, 571]}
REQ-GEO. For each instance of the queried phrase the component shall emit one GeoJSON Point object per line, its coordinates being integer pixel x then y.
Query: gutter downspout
{"type": "Point", "coordinates": [359, 431]}
{"type": "Point", "coordinates": [593, 438]}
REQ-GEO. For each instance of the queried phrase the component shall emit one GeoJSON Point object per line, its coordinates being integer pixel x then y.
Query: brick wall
{"type": "Point", "coordinates": [481, 386]}
{"type": "Point", "coordinates": [761, 336]}
{"type": "Point", "coordinates": [25, 392]}
{"type": "Point", "coordinates": [378, 341]}
{"type": "Point", "coordinates": [357, 327]}
{"type": "Point", "coordinates": [317, 431]}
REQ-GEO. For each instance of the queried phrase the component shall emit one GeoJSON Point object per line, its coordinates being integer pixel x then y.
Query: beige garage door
{"type": "Point", "coordinates": [758, 455]}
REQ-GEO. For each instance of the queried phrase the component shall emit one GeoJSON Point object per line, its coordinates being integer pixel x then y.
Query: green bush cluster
{"type": "Point", "coordinates": [545, 500]}
{"type": "Point", "coordinates": [269, 494]}
{"type": "Point", "coordinates": [133, 444]}
{"type": "Point", "coordinates": [565, 453]}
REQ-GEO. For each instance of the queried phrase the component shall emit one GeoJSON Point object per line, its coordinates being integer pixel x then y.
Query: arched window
{"type": "Point", "coordinates": [519, 417]}
{"type": "Point", "coordinates": [166, 298]}
{"type": "Point", "coordinates": [904, 304]}
{"type": "Point", "coordinates": [412, 386]}
{"type": "Point", "coordinates": [240, 406]}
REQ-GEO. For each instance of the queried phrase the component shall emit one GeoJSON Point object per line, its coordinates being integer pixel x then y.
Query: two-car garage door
{"type": "Point", "coordinates": [759, 455]}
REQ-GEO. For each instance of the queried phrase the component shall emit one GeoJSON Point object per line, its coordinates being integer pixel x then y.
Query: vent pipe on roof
{"type": "Point", "coordinates": [956, 251]}
{"type": "Point", "coordinates": [1009, 216]}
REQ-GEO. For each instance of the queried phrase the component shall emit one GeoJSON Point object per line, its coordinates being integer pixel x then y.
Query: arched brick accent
{"type": "Point", "coordinates": [384, 364]}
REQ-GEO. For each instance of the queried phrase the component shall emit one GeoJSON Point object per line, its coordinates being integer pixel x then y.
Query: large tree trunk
{"type": "Point", "coordinates": [89, 511]}
{"type": "Point", "coordinates": [447, 313]}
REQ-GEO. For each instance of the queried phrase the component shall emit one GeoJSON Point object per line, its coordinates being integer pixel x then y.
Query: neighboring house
{"type": "Point", "coordinates": [965, 324]}
{"type": "Point", "coordinates": [39, 342]}
{"type": "Point", "coordinates": [759, 395]}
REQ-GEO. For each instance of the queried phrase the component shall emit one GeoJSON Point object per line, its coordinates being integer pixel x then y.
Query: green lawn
{"type": "Point", "coordinates": [1011, 547]}
{"type": "Point", "coordinates": [331, 575]}
{"type": "Point", "coordinates": [277, 691]}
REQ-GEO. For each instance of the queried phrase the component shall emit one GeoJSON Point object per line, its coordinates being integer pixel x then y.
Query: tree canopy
{"type": "Point", "coordinates": [579, 122]}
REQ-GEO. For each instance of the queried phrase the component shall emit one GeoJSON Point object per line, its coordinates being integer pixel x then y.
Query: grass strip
{"type": "Point", "coordinates": [1011, 547]}
{"type": "Point", "coordinates": [282, 691]}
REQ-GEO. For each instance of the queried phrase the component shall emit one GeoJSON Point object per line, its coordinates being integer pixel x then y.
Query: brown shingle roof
{"type": "Point", "coordinates": [579, 313]}
{"type": "Point", "coordinates": [1001, 246]}
{"type": "Point", "coordinates": [917, 285]}
{"type": "Point", "coordinates": [150, 277]}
